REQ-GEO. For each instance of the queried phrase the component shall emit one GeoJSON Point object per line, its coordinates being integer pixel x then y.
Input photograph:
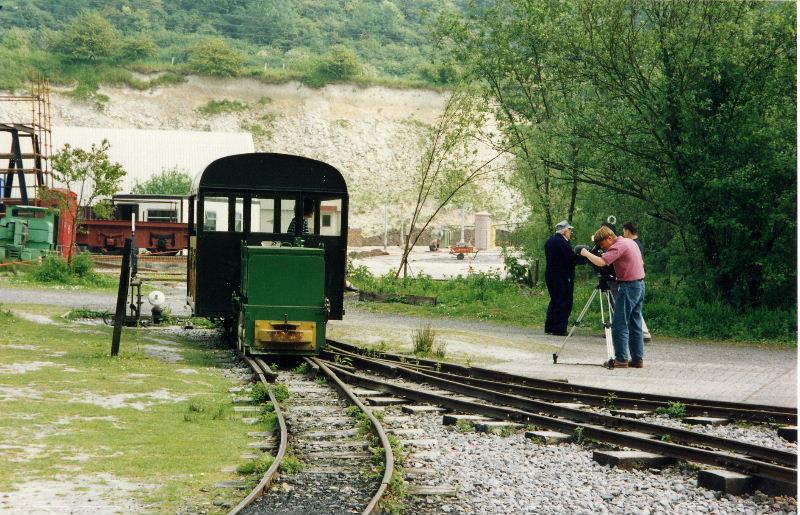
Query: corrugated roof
{"type": "Point", "coordinates": [144, 153]}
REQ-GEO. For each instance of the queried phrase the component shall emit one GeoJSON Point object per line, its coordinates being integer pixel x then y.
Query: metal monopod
{"type": "Point", "coordinates": [605, 296]}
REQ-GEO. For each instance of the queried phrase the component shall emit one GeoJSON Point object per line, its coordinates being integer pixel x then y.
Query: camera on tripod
{"type": "Point", "coordinates": [605, 273]}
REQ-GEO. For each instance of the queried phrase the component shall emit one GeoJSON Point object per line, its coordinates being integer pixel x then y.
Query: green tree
{"type": "Point", "coordinates": [91, 175]}
{"type": "Point", "coordinates": [139, 46]}
{"type": "Point", "coordinates": [89, 37]}
{"type": "Point", "coordinates": [685, 108]}
{"type": "Point", "coordinates": [339, 64]}
{"type": "Point", "coordinates": [214, 56]}
{"type": "Point", "coordinates": [169, 182]}
{"type": "Point", "coordinates": [448, 166]}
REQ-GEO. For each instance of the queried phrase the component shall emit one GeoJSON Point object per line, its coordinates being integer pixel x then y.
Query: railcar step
{"type": "Point", "coordinates": [425, 408]}
{"type": "Point", "coordinates": [632, 459]}
{"type": "Point", "coordinates": [630, 413]}
{"type": "Point", "coordinates": [548, 437]}
{"type": "Point", "coordinates": [706, 421]}
{"type": "Point", "coordinates": [788, 433]}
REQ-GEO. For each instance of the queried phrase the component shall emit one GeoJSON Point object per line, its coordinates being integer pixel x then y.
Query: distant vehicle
{"type": "Point", "coordinates": [28, 232]}
{"type": "Point", "coordinates": [161, 225]}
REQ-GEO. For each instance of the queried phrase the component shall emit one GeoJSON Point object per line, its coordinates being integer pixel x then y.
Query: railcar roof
{"type": "Point", "coordinates": [270, 172]}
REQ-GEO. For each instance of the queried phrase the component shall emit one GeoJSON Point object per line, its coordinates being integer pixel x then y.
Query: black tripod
{"type": "Point", "coordinates": [605, 297]}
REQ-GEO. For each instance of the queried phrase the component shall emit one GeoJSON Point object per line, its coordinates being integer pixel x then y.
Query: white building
{"type": "Point", "coordinates": [144, 153]}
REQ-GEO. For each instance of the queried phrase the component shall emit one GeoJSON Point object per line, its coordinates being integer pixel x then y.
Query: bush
{"type": "Point", "coordinates": [214, 56]}
{"type": "Point", "coordinates": [56, 270]}
{"type": "Point", "coordinates": [89, 37]}
{"type": "Point", "coordinates": [82, 265]}
{"type": "Point", "coordinates": [337, 65]}
{"type": "Point", "coordinates": [53, 269]}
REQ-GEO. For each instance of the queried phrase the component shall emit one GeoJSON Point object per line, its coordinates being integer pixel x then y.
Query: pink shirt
{"type": "Point", "coordinates": [624, 254]}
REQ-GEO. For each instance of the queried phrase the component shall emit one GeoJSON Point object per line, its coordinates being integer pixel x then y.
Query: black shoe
{"type": "Point", "coordinates": [557, 333]}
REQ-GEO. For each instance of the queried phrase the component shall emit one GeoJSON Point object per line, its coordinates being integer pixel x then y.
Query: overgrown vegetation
{"type": "Point", "coordinates": [93, 43]}
{"type": "Point", "coordinates": [673, 410]}
{"type": "Point", "coordinates": [670, 309]}
{"type": "Point", "coordinates": [678, 115]}
{"type": "Point", "coordinates": [55, 270]}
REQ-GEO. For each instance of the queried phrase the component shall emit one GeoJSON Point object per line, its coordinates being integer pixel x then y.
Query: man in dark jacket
{"type": "Point", "coordinates": [560, 278]}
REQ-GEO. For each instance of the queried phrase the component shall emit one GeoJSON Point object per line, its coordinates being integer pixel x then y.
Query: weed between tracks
{"type": "Point", "coordinates": [673, 410]}
{"type": "Point", "coordinates": [395, 499]}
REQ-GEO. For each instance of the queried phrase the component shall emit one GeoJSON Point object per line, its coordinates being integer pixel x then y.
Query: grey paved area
{"type": "Point", "coordinates": [705, 370]}
{"type": "Point", "coordinates": [711, 370]}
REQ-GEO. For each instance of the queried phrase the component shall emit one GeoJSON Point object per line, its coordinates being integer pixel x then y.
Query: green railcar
{"type": "Point", "coordinates": [267, 250]}
{"type": "Point", "coordinates": [283, 309]}
{"type": "Point", "coordinates": [28, 232]}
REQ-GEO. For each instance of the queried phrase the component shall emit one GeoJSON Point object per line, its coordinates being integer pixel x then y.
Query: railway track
{"type": "Point", "coordinates": [571, 409]}
{"type": "Point", "coordinates": [324, 441]}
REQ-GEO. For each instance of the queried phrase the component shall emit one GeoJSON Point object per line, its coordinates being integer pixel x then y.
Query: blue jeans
{"type": "Point", "coordinates": [626, 327]}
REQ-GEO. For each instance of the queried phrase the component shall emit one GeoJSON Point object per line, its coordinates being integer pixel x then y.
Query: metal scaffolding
{"type": "Point", "coordinates": [30, 143]}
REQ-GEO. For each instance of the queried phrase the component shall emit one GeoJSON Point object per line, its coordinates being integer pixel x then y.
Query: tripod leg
{"type": "Point", "coordinates": [577, 323]}
{"type": "Point", "coordinates": [607, 326]}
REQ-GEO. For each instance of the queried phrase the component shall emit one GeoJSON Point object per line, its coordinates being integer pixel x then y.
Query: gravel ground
{"type": "Point", "coordinates": [511, 474]}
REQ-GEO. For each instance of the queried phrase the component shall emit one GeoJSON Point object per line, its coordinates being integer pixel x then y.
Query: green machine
{"type": "Point", "coordinates": [282, 304]}
{"type": "Point", "coordinates": [27, 232]}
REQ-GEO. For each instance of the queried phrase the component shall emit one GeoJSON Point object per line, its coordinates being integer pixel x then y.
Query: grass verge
{"type": "Point", "coordinates": [668, 311]}
{"type": "Point", "coordinates": [71, 411]}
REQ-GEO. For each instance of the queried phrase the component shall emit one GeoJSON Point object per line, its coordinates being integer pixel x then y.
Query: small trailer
{"type": "Point", "coordinates": [461, 250]}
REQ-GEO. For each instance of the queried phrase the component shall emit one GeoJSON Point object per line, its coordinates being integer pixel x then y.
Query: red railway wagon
{"type": "Point", "coordinates": [108, 236]}
{"type": "Point", "coordinates": [160, 225]}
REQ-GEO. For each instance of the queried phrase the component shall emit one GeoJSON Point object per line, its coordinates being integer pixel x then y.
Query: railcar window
{"type": "Point", "coordinates": [287, 213]}
{"type": "Point", "coordinates": [238, 216]}
{"type": "Point", "coordinates": [215, 214]}
{"type": "Point", "coordinates": [262, 215]}
{"type": "Point", "coordinates": [331, 217]}
{"type": "Point", "coordinates": [162, 215]}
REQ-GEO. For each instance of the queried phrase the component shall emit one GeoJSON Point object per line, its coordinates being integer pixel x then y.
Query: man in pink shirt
{"type": "Point", "coordinates": [626, 327]}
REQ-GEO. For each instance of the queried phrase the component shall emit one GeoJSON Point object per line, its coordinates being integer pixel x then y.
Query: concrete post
{"type": "Point", "coordinates": [484, 239]}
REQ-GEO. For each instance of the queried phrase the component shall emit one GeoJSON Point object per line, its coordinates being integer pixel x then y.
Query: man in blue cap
{"type": "Point", "coordinates": [560, 278]}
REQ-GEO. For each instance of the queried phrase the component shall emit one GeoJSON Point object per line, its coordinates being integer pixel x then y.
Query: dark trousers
{"type": "Point", "coordinates": [560, 307]}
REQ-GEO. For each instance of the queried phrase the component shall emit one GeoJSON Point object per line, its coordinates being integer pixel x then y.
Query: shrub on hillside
{"type": "Point", "coordinates": [339, 64]}
{"type": "Point", "coordinates": [214, 56]}
{"type": "Point", "coordinates": [89, 37]}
